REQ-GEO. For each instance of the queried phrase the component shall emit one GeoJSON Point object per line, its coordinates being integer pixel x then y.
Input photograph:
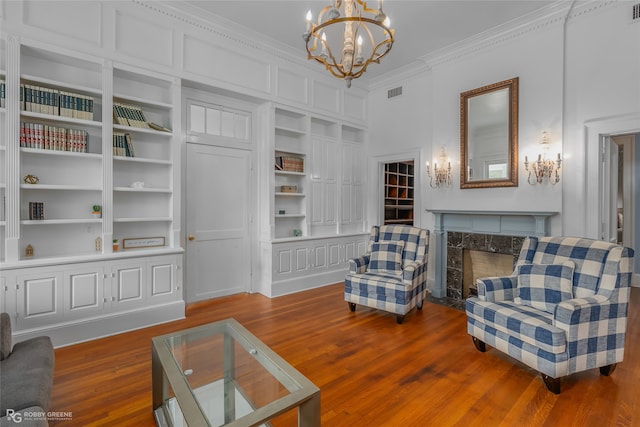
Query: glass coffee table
{"type": "Point", "coordinates": [221, 375]}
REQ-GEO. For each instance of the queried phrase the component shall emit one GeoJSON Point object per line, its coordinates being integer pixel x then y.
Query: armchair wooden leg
{"type": "Point", "coordinates": [352, 306]}
{"type": "Point", "coordinates": [553, 384]}
{"type": "Point", "coordinates": [480, 345]}
{"type": "Point", "coordinates": [607, 370]}
{"type": "Point", "coordinates": [420, 304]}
{"type": "Point", "coordinates": [399, 319]}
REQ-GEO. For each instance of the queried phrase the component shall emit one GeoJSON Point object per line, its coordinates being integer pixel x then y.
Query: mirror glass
{"type": "Point", "coordinates": [489, 136]}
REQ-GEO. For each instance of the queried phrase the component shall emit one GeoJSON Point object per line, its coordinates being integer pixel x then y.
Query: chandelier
{"type": "Point", "coordinates": [345, 40]}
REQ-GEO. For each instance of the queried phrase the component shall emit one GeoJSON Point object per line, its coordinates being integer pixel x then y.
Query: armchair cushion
{"type": "Point", "coordinates": [543, 286]}
{"type": "Point", "coordinates": [386, 257]}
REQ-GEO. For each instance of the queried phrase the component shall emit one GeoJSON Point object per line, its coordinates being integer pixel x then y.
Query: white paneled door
{"type": "Point", "coordinates": [218, 211]}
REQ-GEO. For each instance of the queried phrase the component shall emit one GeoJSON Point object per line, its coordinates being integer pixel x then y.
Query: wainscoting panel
{"type": "Point", "coordinates": [212, 61]}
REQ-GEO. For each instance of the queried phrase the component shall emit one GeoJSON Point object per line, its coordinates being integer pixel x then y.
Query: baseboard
{"type": "Point", "coordinates": [635, 280]}
{"type": "Point", "coordinates": [69, 333]}
{"type": "Point", "coordinates": [298, 284]}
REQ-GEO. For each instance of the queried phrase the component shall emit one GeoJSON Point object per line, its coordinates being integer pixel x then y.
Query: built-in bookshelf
{"type": "Point", "coordinates": [399, 193]}
{"type": "Point", "coordinates": [60, 153]}
{"type": "Point", "coordinates": [143, 166]}
{"type": "Point", "coordinates": [74, 152]}
{"type": "Point", "coordinates": [290, 178]}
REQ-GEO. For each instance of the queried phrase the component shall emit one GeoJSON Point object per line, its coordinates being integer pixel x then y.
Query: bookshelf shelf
{"type": "Point", "coordinates": [142, 190]}
{"type": "Point", "coordinates": [60, 187]}
{"type": "Point", "coordinates": [142, 160]}
{"type": "Point", "coordinates": [61, 119]}
{"type": "Point", "coordinates": [133, 129]}
{"type": "Point", "coordinates": [61, 221]}
{"type": "Point", "coordinates": [149, 219]}
{"type": "Point", "coordinates": [280, 194]}
{"type": "Point", "coordinates": [289, 216]}
{"type": "Point", "coordinates": [284, 173]}
{"type": "Point", "coordinates": [290, 131]}
{"type": "Point", "coordinates": [70, 154]}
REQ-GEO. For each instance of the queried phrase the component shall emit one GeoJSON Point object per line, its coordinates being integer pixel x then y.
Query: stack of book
{"type": "Point", "coordinates": [36, 210]}
{"type": "Point", "coordinates": [47, 137]}
{"type": "Point", "coordinates": [122, 145]}
{"type": "Point", "coordinates": [45, 100]}
{"type": "Point", "coordinates": [289, 163]}
{"type": "Point", "coordinates": [129, 115]}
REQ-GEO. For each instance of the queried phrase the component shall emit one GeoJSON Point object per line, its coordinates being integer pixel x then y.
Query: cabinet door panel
{"type": "Point", "coordinates": [161, 279]}
{"type": "Point", "coordinates": [302, 259]}
{"type": "Point", "coordinates": [83, 292]}
{"type": "Point", "coordinates": [283, 261]}
{"type": "Point", "coordinates": [334, 254]}
{"type": "Point", "coordinates": [39, 299]}
{"type": "Point", "coordinates": [128, 286]}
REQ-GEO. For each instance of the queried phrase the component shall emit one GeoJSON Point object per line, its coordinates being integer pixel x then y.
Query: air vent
{"type": "Point", "coordinates": [635, 15]}
{"type": "Point", "coordinates": [392, 93]}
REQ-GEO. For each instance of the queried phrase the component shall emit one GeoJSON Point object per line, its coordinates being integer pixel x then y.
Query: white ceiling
{"type": "Point", "coordinates": [421, 27]}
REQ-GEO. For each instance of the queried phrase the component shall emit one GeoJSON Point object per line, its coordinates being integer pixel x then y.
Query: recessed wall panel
{"type": "Point", "coordinates": [215, 62]}
{"type": "Point", "coordinates": [355, 106]}
{"type": "Point", "coordinates": [78, 19]}
{"type": "Point", "coordinates": [326, 97]}
{"type": "Point", "coordinates": [292, 86]}
{"type": "Point", "coordinates": [143, 39]}
{"type": "Point", "coordinates": [129, 284]}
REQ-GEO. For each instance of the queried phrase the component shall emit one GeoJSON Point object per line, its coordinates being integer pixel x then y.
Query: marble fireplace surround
{"type": "Point", "coordinates": [491, 231]}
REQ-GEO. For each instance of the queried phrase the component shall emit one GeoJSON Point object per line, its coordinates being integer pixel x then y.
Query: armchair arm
{"type": "Point", "coordinates": [494, 289]}
{"type": "Point", "coordinates": [415, 272]}
{"type": "Point", "coordinates": [359, 265]}
{"type": "Point", "coordinates": [593, 324]}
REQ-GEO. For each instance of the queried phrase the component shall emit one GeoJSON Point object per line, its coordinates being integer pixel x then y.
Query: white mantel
{"type": "Point", "coordinates": [508, 223]}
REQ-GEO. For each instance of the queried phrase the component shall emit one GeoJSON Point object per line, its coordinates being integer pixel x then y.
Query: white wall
{"type": "Point", "coordinates": [593, 74]}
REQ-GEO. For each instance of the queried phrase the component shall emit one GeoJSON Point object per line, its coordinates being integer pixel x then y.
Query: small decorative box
{"type": "Point", "coordinates": [288, 188]}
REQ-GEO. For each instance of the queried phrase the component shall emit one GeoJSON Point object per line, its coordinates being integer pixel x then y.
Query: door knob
{"type": "Point", "coordinates": [191, 237]}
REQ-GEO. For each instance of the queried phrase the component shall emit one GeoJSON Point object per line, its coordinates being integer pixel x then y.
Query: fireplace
{"type": "Point", "coordinates": [459, 234]}
{"type": "Point", "coordinates": [474, 255]}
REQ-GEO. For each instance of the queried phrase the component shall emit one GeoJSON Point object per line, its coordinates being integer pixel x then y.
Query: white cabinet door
{"type": "Point", "coordinates": [39, 296]}
{"type": "Point", "coordinates": [83, 291]}
{"type": "Point", "coordinates": [290, 261]}
{"type": "Point", "coordinates": [127, 290]}
{"type": "Point", "coordinates": [165, 276]}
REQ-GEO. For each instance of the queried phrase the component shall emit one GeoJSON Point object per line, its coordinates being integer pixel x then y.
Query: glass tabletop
{"type": "Point", "coordinates": [220, 374]}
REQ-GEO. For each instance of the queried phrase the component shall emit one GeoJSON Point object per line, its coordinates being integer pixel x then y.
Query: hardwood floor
{"type": "Point", "coordinates": [371, 371]}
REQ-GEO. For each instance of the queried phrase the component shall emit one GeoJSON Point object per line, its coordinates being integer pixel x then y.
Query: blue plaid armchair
{"type": "Point", "coordinates": [563, 309]}
{"type": "Point", "coordinates": [392, 275]}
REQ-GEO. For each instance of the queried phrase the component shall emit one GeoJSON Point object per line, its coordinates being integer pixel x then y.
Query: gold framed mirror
{"type": "Point", "coordinates": [489, 136]}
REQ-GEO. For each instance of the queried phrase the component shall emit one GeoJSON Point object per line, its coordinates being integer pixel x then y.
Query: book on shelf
{"type": "Point", "coordinates": [36, 211]}
{"type": "Point", "coordinates": [44, 100]}
{"type": "Point", "coordinates": [48, 137]}
{"type": "Point", "coordinates": [129, 115]}
{"type": "Point", "coordinates": [158, 127]}
{"type": "Point", "coordinates": [289, 163]}
{"type": "Point", "coordinates": [122, 145]}
{"type": "Point", "coordinates": [3, 93]}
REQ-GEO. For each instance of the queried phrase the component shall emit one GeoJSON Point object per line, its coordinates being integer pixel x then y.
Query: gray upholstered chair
{"type": "Point", "coordinates": [563, 310]}
{"type": "Point", "coordinates": [26, 378]}
{"type": "Point", "coordinates": [392, 275]}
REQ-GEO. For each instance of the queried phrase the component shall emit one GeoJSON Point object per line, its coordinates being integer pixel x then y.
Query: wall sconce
{"type": "Point", "coordinates": [543, 167]}
{"type": "Point", "coordinates": [441, 175]}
